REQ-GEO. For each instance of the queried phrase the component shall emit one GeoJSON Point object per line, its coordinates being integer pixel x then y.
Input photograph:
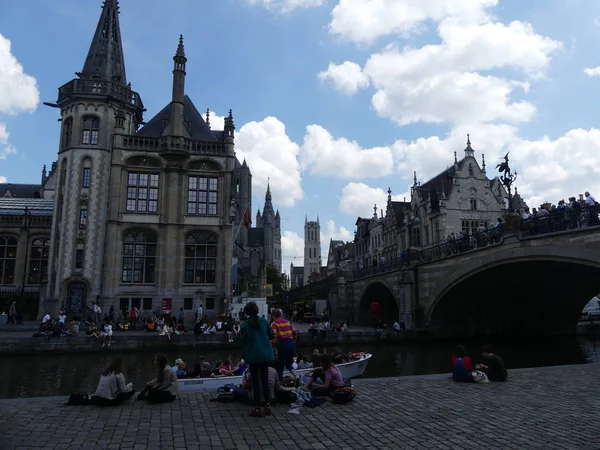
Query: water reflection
{"type": "Point", "coordinates": [52, 375]}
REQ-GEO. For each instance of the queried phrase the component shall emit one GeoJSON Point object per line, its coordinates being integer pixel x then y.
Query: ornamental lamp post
{"type": "Point", "coordinates": [507, 178]}
{"type": "Point", "coordinates": [26, 228]}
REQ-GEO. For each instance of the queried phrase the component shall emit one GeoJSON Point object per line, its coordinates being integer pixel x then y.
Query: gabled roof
{"type": "Point", "coordinates": [198, 128]}
{"type": "Point", "coordinates": [20, 190]}
{"type": "Point", "coordinates": [16, 206]}
{"type": "Point", "coordinates": [398, 209]}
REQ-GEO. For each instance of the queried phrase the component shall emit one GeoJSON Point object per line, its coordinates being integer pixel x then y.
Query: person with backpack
{"type": "Point", "coordinates": [462, 366]}
{"type": "Point", "coordinates": [256, 335]}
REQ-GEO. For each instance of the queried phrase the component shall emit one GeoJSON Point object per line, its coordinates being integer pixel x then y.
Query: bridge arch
{"type": "Point", "coordinates": [527, 290]}
{"type": "Point", "coordinates": [378, 291]}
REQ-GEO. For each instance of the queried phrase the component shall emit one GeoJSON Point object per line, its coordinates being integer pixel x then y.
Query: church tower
{"type": "Point", "coordinates": [94, 107]}
{"type": "Point", "coordinates": [312, 248]}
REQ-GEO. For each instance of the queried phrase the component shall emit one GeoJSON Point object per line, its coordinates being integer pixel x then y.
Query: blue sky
{"type": "Point", "coordinates": [335, 100]}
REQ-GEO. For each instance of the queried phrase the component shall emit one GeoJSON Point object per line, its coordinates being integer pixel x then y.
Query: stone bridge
{"type": "Point", "coordinates": [533, 285]}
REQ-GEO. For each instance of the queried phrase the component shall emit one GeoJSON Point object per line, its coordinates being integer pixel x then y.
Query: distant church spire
{"type": "Point", "coordinates": [469, 150]}
{"type": "Point", "coordinates": [105, 56]}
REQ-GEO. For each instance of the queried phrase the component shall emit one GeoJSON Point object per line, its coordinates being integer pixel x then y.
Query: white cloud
{"type": "Point", "coordinates": [364, 21]}
{"type": "Point", "coordinates": [358, 200]}
{"type": "Point", "coordinates": [347, 77]}
{"type": "Point", "coordinates": [592, 71]}
{"type": "Point", "coordinates": [217, 122]}
{"type": "Point", "coordinates": [286, 6]}
{"type": "Point", "coordinates": [443, 83]}
{"type": "Point", "coordinates": [325, 155]}
{"type": "Point", "coordinates": [18, 92]}
{"type": "Point", "coordinates": [292, 250]}
{"type": "Point", "coordinates": [331, 231]}
{"type": "Point", "coordinates": [271, 154]}
{"type": "Point", "coordinates": [3, 180]}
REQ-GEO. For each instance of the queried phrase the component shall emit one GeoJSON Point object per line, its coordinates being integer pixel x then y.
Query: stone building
{"type": "Point", "coordinates": [340, 257]}
{"type": "Point", "coordinates": [312, 248]}
{"type": "Point", "coordinates": [132, 213]}
{"type": "Point", "coordinates": [459, 200]}
{"type": "Point", "coordinates": [258, 248]}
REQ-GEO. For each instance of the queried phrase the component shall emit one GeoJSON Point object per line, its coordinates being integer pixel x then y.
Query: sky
{"type": "Point", "coordinates": [335, 101]}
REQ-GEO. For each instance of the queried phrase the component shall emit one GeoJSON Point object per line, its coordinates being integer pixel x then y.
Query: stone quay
{"type": "Point", "coordinates": [543, 408]}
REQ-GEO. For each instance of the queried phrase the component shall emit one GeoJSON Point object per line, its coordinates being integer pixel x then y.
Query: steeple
{"type": "Point", "coordinates": [105, 56]}
{"type": "Point", "coordinates": [483, 163]}
{"type": "Point", "coordinates": [469, 151]}
{"type": "Point", "coordinates": [374, 211]}
{"type": "Point", "coordinates": [176, 126]}
{"type": "Point", "coordinates": [268, 194]}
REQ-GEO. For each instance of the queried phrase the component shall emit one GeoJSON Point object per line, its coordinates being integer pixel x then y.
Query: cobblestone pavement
{"type": "Point", "coordinates": [545, 408]}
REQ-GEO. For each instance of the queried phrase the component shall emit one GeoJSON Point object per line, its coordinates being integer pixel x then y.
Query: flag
{"type": "Point", "coordinates": [268, 290]}
{"type": "Point", "coordinates": [247, 219]}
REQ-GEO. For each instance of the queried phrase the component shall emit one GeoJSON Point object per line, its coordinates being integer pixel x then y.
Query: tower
{"type": "Point", "coordinates": [312, 248]}
{"type": "Point", "coordinates": [271, 223]}
{"type": "Point", "coordinates": [94, 107]}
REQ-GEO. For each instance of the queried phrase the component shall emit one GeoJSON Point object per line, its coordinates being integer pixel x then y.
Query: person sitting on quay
{"type": "Point", "coordinates": [160, 323]}
{"type": "Point", "coordinates": [62, 318]}
{"type": "Point", "coordinates": [180, 329]}
{"type": "Point", "coordinates": [164, 388]}
{"type": "Point", "coordinates": [151, 324]}
{"type": "Point", "coordinates": [493, 365]}
{"type": "Point", "coordinates": [329, 374]}
{"type": "Point", "coordinates": [107, 332]}
{"type": "Point", "coordinates": [244, 393]}
{"type": "Point", "coordinates": [179, 368]}
{"type": "Point", "coordinates": [93, 331]}
{"type": "Point", "coordinates": [73, 330]}
{"type": "Point", "coordinates": [166, 331]}
{"type": "Point", "coordinates": [462, 366]}
{"type": "Point", "coordinates": [112, 388]}
{"type": "Point", "coordinates": [211, 329]}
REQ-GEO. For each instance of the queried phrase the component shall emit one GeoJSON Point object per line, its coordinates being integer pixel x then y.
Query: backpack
{"type": "Point", "coordinates": [80, 399]}
{"type": "Point", "coordinates": [343, 395]}
{"type": "Point", "coordinates": [286, 397]}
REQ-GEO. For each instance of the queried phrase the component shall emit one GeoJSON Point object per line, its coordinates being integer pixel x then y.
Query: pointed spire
{"type": "Point", "coordinates": [415, 177]}
{"type": "Point", "coordinates": [455, 158]}
{"type": "Point", "coordinates": [375, 211]}
{"type": "Point", "coordinates": [176, 126]}
{"type": "Point", "coordinates": [469, 151]}
{"type": "Point", "coordinates": [483, 163]}
{"type": "Point", "coordinates": [180, 49]}
{"type": "Point", "coordinates": [268, 197]}
{"type": "Point", "coordinates": [229, 126]}
{"type": "Point", "coordinates": [244, 164]}
{"type": "Point", "coordinates": [105, 56]}
{"type": "Point", "coordinates": [208, 117]}
{"type": "Point", "coordinates": [305, 219]}
{"type": "Point", "coordinates": [389, 194]}
{"type": "Point", "coordinates": [317, 218]}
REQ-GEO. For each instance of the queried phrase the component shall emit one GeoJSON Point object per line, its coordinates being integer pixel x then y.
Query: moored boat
{"type": "Point", "coordinates": [350, 369]}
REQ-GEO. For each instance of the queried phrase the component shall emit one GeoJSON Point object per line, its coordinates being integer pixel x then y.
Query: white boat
{"type": "Point", "coordinates": [350, 369]}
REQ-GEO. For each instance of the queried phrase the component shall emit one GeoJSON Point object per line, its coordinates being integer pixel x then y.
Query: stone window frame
{"type": "Point", "coordinates": [90, 130]}
{"type": "Point", "coordinates": [139, 257]}
{"type": "Point", "coordinates": [203, 192]}
{"type": "Point", "coordinates": [39, 255]}
{"type": "Point", "coordinates": [86, 177]}
{"type": "Point", "coordinates": [200, 258]}
{"type": "Point", "coordinates": [83, 218]}
{"type": "Point", "coordinates": [67, 132]}
{"type": "Point", "coordinates": [8, 259]}
{"type": "Point", "coordinates": [142, 192]}
{"type": "Point", "coordinates": [79, 258]}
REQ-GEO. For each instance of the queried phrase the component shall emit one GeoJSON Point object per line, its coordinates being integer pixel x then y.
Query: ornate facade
{"type": "Point", "coordinates": [459, 200]}
{"type": "Point", "coordinates": [132, 213]}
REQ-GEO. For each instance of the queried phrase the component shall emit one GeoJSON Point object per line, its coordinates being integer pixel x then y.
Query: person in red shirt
{"type": "Point", "coordinates": [462, 366]}
{"type": "Point", "coordinates": [285, 338]}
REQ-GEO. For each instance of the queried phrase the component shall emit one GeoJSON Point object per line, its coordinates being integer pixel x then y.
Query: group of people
{"type": "Point", "coordinates": [492, 366]}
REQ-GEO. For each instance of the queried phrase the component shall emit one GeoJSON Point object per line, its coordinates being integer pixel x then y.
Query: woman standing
{"type": "Point", "coordinates": [112, 388]}
{"type": "Point", "coordinates": [258, 353]}
{"type": "Point", "coordinates": [164, 387]}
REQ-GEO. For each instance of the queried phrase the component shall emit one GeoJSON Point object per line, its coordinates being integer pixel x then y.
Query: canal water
{"type": "Point", "coordinates": [61, 375]}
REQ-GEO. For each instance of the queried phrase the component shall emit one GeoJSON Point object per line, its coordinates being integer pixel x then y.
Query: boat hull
{"type": "Point", "coordinates": [351, 369]}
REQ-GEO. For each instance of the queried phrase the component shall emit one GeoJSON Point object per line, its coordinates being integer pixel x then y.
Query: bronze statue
{"type": "Point", "coordinates": [507, 178]}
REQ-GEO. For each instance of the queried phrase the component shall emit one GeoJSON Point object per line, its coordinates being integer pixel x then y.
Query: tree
{"type": "Point", "coordinates": [277, 280]}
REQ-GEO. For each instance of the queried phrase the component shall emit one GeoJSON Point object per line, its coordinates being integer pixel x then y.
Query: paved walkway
{"type": "Point", "coordinates": [546, 408]}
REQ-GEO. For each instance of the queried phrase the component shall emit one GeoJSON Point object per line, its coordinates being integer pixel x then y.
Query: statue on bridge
{"type": "Point", "coordinates": [507, 179]}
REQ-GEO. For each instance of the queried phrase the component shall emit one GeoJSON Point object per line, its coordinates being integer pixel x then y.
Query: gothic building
{"type": "Point", "coordinates": [132, 213]}
{"type": "Point", "coordinates": [459, 200]}
{"type": "Point", "coordinates": [258, 248]}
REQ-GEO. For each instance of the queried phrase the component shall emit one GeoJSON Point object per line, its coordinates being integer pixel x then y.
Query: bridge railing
{"type": "Point", "coordinates": [563, 220]}
{"type": "Point", "coordinates": [387, 266]}
{"type": "Point", "coordinates": [460, 245]}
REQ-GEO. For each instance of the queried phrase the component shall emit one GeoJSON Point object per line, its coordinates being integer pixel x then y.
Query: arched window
{"type": "Point", "coordinates": [38, 261]}
{"type": "Point", "coordinates": [67, 132]}
{"type": "Point", "coordinates": [139, 257]}
{"type": "Point", "coordinates": [200, 258]}
{"type": "Point", "coordinates": [91, 129]}
{"type": "Point", "coordinates": [8, 259]}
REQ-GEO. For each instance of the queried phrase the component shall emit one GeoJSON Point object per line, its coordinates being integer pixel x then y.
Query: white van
{"type": "Point", "coordinates": [592, 309]}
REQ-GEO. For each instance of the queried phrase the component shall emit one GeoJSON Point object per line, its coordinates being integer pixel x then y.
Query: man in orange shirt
{"type": "Point", "coordinates": [285, 337]}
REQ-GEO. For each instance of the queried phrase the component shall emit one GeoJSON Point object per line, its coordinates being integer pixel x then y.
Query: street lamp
{"type": "Point", "coordinates": [26, 228]}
